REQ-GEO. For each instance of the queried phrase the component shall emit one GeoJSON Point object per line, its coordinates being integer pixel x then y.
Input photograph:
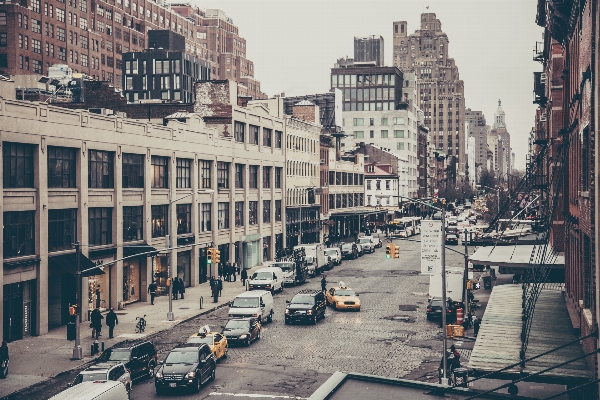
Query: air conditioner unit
{"type": "Point", "coordinates": [543, 76]}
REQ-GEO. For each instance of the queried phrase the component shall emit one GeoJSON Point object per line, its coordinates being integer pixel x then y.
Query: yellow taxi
{"type": "Point", "coordinates": [342, 298]}
{"type": "Point", "coordinates": [216, 341]}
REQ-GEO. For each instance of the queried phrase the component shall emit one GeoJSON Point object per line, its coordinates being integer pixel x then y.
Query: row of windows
{"type": "Point", "coordinates": [384, 121]}
{"type": "Point", "coordinates": [388, 184]}
{"type": "Point", "coordinates": [268, 139]}
{"type": "Point", "coordinates": [18, 170]}
{"type": "Point", "coordinates": [345, 178]}
{"type": "Point", "coordinates": [302, 144]}
{"type": "Point", "coordinates": [346, 200]}
{"type": "Point", "coordinates": [363, 79]}
{"type": "Point", "coordinates": [19, 226]}
{"type": "Point", "coordinates": [253, 173]}
{"type": "Point", "coordinates": [300, 168]}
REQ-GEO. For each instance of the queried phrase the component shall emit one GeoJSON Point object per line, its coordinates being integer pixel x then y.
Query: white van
{"type": "Point", "coordinates": [94, 390]}
{"type": "Point", "coordinates": [269, 278]}
{"type": "Point", "coordinates": [257, 304]}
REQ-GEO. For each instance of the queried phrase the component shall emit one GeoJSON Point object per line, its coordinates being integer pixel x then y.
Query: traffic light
{"type": "Point", "coordinates": [210, 255]}
{"type": "Point", "coordinates": [396, 252]}
{"type": "Point", "coordinates": [217, 254]}
{"type": "Point", "coordinates": [389, 252]}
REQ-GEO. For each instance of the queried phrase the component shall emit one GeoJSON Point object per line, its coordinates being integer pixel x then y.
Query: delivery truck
{"type": "Point", "coordinates": [455, 284]}
{"type": "Point", "coordinates": [316, 259]}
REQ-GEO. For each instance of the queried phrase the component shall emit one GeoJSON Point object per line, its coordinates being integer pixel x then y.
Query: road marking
{"type": "Point", "coordinates": [257, 396]}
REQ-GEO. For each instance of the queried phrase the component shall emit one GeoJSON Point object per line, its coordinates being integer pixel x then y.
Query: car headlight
{"type": "Point", "coordinates": [287, 311]}
{"type": "Point", "coordinates": [159, 375]}
{"type": "Point", "coordinates": [255, 315]}
{"type": "Point", "coordinates": [309, 312]}
{"type": "Point", "coordinates": [268, 286]}
{"type": "Point", "coordinates": [190, 375]}
{"type": "Point", "coordinates": [243, 336]}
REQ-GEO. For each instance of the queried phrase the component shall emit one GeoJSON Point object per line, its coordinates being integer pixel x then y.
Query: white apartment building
{"type": "Point", "coordinates": [381, 185]}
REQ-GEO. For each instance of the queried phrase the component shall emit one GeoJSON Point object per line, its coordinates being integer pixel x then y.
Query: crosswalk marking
{"type": "Point", "coordinates": [257, 396]}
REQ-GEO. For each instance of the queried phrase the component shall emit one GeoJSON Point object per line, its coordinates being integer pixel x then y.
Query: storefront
{"type": "Point", "coordinates": [161, 273]}
{"type": "Point", "coordinates": [184, 267]}
{"type": "Point", "coordinates": [19, 310]}
{"type": "Point", "coordinates": [98, 285]}
{"type": "Point", "coordinates": [251, 251]}
{"type": "Point", "coordinates": [203, 266]}
{"type": "Point", "coordinates": [132, 280]}
{"type": "Point", "coordinates": [266, 248]}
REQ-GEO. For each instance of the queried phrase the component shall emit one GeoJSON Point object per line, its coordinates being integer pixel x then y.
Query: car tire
{"type": "Point", "coordinates": [258, 335]}
{"type": "Point", "coordinates": [198, 384]}
{"type": "Point", "coordinates": [213, 375]}
{"type": "Point", "coordinates": [314, 319]}
{"type": "Point", "coordinates": [128, 388]}
{"type": "Point", "coordinates": [151, 366]}
{"type": "Point", "coordinates": [270, 317]}
{"type": "Point", "coordinates": [334, 305]}
{"type": "Point", "coordinates": [226, 351]}
{"type": "Point", "coordinates": [247, 344]}
{"type": "Point", "coordinates": [160, 392]}
{"type": "Point", "coordinates": [287, 322]}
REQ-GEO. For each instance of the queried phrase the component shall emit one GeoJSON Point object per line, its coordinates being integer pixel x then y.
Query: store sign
{"type": "Point", "coordinates": [431, 247]}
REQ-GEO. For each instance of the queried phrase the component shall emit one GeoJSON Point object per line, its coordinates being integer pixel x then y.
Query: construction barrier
{"type": "Point", "coordinates": [460, 316]}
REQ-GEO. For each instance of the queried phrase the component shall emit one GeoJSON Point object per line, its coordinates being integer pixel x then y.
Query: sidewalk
{"type": "Point", "coordinates": [38, 358]}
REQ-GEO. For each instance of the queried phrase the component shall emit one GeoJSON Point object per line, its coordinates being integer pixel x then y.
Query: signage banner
{"type": "Point", "coordinates": [431, 247]}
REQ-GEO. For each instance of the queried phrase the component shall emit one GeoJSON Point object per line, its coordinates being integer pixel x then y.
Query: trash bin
{"type": "Point", "coordinates": [460, 377]}
{"type": "Point", "coordinates": [71, 332]}
{"type": "Point", "coordinates": [487, 282]}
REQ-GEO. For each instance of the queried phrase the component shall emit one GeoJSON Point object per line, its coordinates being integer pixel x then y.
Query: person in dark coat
{"type": "Point", "coordinates": [96, 320]}
{"type": "Point", "coordinates": [175, 284]}
{"type": "Point", "coordinates": [111, 321]}
{"type": "Point", "coordinates": [324, 283]}
{"type": "Point", "coordinates": [220, 269]}
{"type": "Point", "coordinates": [152, 290]}
{"type": "Point", "coordinates": [3, 360]}
{"type": "Point", "coordinates": [244, 276]}
{"type": "Point", "coordinates": [181, 288]}
{"type": "Point", "coordinates": [234, 271]}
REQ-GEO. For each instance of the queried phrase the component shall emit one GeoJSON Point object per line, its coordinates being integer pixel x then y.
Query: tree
{"type": "Point", "coordinates": [488, 178]}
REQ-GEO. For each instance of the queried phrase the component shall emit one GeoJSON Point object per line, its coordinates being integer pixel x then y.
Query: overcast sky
{"type": "Point", "coordinates": [294, 43]}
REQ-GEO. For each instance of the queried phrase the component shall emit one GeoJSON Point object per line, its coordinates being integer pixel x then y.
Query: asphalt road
{"type": "Point", "coordinates": [390, 336]}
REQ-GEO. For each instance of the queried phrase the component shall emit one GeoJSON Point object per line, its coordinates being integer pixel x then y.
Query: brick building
{"type": "Point", "coordinates": [91, 37]}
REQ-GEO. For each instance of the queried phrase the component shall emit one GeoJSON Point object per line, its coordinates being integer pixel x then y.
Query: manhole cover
{"type": "Point", "coordinates": [407, 307]}
{"type": "Point", "coordinates": [184, 308]}
{"type": "Point", "coordinates": [400, 318]}
{"type": "Point", "coordinates": [121, 313]}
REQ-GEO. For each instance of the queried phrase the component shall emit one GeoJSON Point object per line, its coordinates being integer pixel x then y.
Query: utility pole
{"type": "Point", "coordinates": [466, 298]}
{"type": "Point", "coordinates": [444, 299]}
{"type": "Point", "coordinates": [170, 316]}
{"type": "Point", "coordinates": [77, 352]}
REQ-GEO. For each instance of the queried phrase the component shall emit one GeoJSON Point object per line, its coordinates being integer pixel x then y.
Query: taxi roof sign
{"type": "Point", "coordinates": [204, 330]}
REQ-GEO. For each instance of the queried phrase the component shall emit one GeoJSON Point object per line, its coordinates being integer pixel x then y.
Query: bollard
{"type": "Point", "coordinates": [95, 346]}
{"type": "Point", "coordinates": [201, 301]}
{"type": "Point", "coordinates": [92, 349]}
{"type": "Point", "coordinates": [102, 346]}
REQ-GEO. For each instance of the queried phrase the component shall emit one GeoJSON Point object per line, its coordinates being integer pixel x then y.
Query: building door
{"type": "Point", "coordinates": [13, 312]}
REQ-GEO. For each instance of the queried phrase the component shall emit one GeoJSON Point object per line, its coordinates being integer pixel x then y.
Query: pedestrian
{"type": "Point", "coordinates": [455, 360]}
{"type": "Point", "coordinates": [214, 287]}
{"type": "Point", "coordinates": [244, 276]}
{"type": "Point", "coordinates": [96, 323]}
{"type": "Point", "coordinates": [324, 283]}
{"type": "Point", "coordinates": [220, 271]}
{"type": "Point", "coordinates": [152, 291]}
{"type": "Point", "coordinates": [181, 287]}
{"type": "Point", "coordinates": [175, 285]}
{"type": "Point", "coordinates": [111, 321]}
{"type": "Point", "coordinates": [3, 360]}
{"type": "Point", "coordinates": [220, 287]}
{"type": "Point", "coordinates": [235, 271]}
{"type": "Point", "coordinates": [228, 271]}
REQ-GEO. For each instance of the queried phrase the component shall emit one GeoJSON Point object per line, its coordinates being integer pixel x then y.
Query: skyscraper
{"type": "Point", "coordinates": [440, 90]}
{"type": "Point", "coordinates": [476, 128]}
{"type": "Point", "coordinates": [499, 129]}
{"type": "Point", "coordinates": [368, 49]}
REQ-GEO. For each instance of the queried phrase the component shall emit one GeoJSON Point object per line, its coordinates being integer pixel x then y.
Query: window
{"type": "Point", "coordinates": [62, 229]}
{"type": "Point", "coordinates": [384, 134]}
{"type": "Point", "coordinates": [267, 137]}
{"type": "Point", "coordinates": [205, 174]}
{"type": "Point", "coordinates": [62, 54]}
{"type": "Point", "coordinates": [3, 60]}
{"type": "Point", "coordinates": [19, 228]}
{"type": "Point", "coordinates": [133, 223]}
{"type": "Point", "coordinates": [387, 185]}
{"type": "Point", "coordinates": [206, 216]}
{"type": "Point", "coordinates": [399, 121]}
{"type": "Point", "coordinates": [371, 121]}
{"type": "Point", "coordinates": [36, 26]}
{"type": "Point", "coordinates": [60, 15]}
{"type": "Point", "coordinates": [133, 171]}
{"type": "Point", "coordinates": [359, 134]}
{"type": "Point", "coordinates": [62, 167]}
{"type": "Point", "coordinates": [399, 134]}
{"type": "Point", "coordinates": [17, 165]}
{"type": "Point", "coordinates": [368, 184]}
{"type": "Point", "coordinates": [239, 213]}
{"type": "Point", "coordinates": [239, 176]}
{"type": "Point", "coordinates": [3, 18]}
{"type": "Point", "coordinates": [266, 177]}
{"type": "Point", "coordinates": [278, 171]}
{"type": "Point", "coordinates": [36, 46]}
{"type": "Point", "coordinates": [253, 179]}
{"type": "Point", "coordinates": [278, 139]}
{"type": "Point", "coordinates": [239, 130]}
{"type": "Point", "coordinates": [60, 34]}
{"type": "Point", "coordinates": [253, 139]}
{"type": "Point", "coordinates": [267, 211]}
{"type": "Point", "coordinates": [400, 146]}
{"type": "Point", "coordinates": [252, 212]}
{"type": "Point", "coordinates": [384, 121]}
{"type": "Point", "coordinates": [222, 175]}
{"type": "Point", "coordinates": [278, 210]}
{"type": "Point", "coordinates": [100, 226]}
{"type": "Point", "coordinates": [358, 122]}
{"type": "Point", "coordinates": [160, 220]}
{"type": "Point", "coordinates": [160, 172]}
{"type": "Point", "coordinates": [184, 218]}
{"type": "Point", "coordinates": [223, 215]}
{"type": "Point", "coordinates": [332, 201]}
{"type": "Point", "coordinates": [184, 170]}
{"type": "Point", "coordinates": [100, 169]}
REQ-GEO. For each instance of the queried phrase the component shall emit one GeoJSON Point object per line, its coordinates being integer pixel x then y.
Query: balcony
{"type": "Point", "coordinates": [539, 88]}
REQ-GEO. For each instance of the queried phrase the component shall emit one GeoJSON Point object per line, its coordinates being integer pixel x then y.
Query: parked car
{"type": "Point", "coordinates": [361, 250]}
{"type": "Point", "coordinates": [350, 251]}
{"type": "Point", "coordinates": [306, 306]}
{"type": "Point", "coordinates": [256, 304]}
{"type": "Point", "coordinates": [377, 242]}
{"type": "Point", "coordinates": [434, 310]}
{"type": "Point", "coordinates": [109, 371]}
{"type": "Point", "coordinates": [216, 341]}
{"type": "Point", "coordinates": [187, 366]}
{"type": "Point", "coordinates": [95, 390]}
{"type": "Point", "coordinates": [335, 254]}
{"type": "Point", "coordinates": [437, 215]}
{"type": "Point", "coordinates": [366, 243]}
{"type": "Point", "coordinates": [242, 331]}
{"type": "Point", "coordinates": [139, 358]}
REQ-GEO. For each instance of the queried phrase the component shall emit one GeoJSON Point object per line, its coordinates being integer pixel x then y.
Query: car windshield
{"type": "Point", "coordinates": [233, 324]}
{"type": "Point", "coordinates": [364, 240]}
{"type": "Point", "coordinates": [303, 300]}
{"type": "Point", "coordinates": [262, 276]}
{"type": "Point", "coordinates": [182, 357]}
{"type": "Point", "coordinates": [344, 293]}
{"type": "Point", "coordinates": [346, 247]}
{"type": "Point", "coordinates": [436, 303]}
{"type": "Point", "coordinates": [115, 355]}
{"type": "Point", "coordinates": [244, 302]}
{"type": "Point", "coordinates": [95, 376]}
{"type": "Point", "coordinates": [285, 267]}
{"type": "Point", "coordinates": [200, 339]}
{"type": "Point", "coordinates": [330, 253]}
{"type": "Point", "coordinates": [309, 259]}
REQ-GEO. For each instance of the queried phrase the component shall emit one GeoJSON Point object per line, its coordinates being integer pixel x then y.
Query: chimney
{"type": "Point", "coordinates": [307, 111]}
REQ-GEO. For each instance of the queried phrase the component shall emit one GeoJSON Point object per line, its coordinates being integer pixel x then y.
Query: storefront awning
{"type": "Point", "coordinates": [515, 256]}
{"type": "Point", "coordinates": [141, 249]}
{"type": "Point", "coordinates": [68, 262]}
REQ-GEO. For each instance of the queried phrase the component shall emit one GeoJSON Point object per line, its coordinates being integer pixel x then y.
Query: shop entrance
{"type": "Point", "coordinates": [18, 310]}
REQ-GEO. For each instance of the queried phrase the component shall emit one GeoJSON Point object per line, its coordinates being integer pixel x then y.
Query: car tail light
{"type": "Point", "coordinates": [448, 310]}
{"type": "Point", "coordinates": [428, 309]}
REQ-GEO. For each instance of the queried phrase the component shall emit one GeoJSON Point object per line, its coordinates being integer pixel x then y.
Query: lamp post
{"type": "Point", "coordinates": [170, 247]}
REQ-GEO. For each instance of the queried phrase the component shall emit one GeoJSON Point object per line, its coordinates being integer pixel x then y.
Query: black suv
{"type": "Point", "coordinates": [140, 358]}
{"type": "Point", "coordinates": [307, 305]}
{"type": "Point", "coordinates": [186, 366]}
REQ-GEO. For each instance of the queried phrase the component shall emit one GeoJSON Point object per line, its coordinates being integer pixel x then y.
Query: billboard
{"type": "Point", "coordinates": [431, 247]}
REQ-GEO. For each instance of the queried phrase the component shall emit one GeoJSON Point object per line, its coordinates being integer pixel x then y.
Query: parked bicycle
{"type": "Point", "coordinates": [141, 325]}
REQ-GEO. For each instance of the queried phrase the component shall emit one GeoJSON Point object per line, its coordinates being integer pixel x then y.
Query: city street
{"type": "Point", "coordinates": [390, 336]}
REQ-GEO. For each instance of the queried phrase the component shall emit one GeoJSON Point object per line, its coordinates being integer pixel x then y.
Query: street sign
{"type": "Point", "coordinates": [431, 247]}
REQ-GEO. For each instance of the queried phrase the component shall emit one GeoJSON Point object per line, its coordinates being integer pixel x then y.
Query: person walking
{"type": "Point", "coordinates": [152, 290]}
{"type": "Point", "coordinates": [227, 271]}
{"type": "Point", "coordinates": [220, 269]}
{"type": "Point", "coordinates": [175, 283]}
{"type": "Point", "coordinates": [234, 271]}
{"type": "Point", "coordinates": [181, 288]}
{"type": "Point", "coordinates": [244, 276]}
{"type": "Point", "coordinates": [3, 360]}
{"type": "Point", "coordinates": [111, 321]}
{"type": "Point", "coordinates": [324, 283]}
{"type": "Point", "coordinates": [96, 323]}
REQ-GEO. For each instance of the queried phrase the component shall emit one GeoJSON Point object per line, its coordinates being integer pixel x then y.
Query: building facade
{"type": "Point", "coordinates": [369, 49]}
{"type": "Point", "coordinates": [477, 128]}
{"type": "Point", "coordinates": [381, 185]}
{"type": "Point", "coordinates": [504, 150]}
{"type": "Point", "coordinates": [440, 89]}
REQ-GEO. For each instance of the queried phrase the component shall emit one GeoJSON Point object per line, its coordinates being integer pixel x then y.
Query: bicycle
{"type": "Point", "coordinates": [141, 325]}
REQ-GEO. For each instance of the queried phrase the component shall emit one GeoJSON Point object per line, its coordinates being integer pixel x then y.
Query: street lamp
{"type": "Point", "coordinates": [169, 246]}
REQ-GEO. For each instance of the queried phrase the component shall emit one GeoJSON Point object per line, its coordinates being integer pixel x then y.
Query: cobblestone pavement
{"type": "Point", "coordinates": [390, 336]}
